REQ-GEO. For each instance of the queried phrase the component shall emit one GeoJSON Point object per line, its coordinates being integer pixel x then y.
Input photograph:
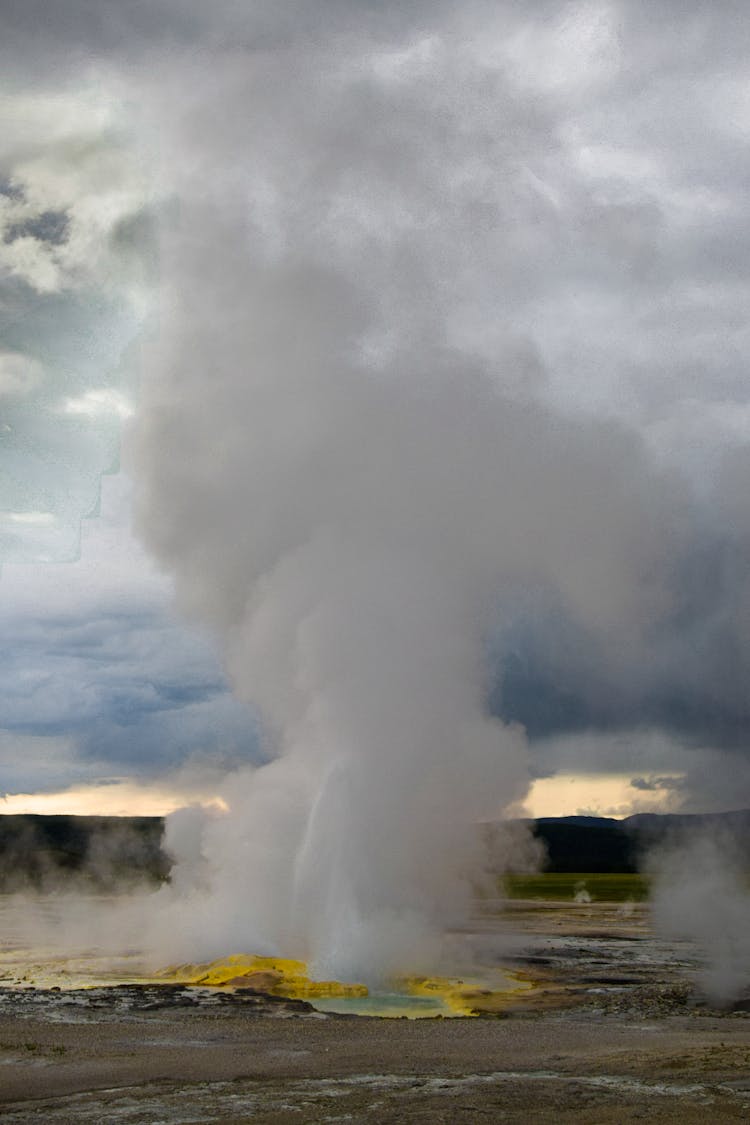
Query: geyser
{"type": "Point", "coordinates": [343, 458]}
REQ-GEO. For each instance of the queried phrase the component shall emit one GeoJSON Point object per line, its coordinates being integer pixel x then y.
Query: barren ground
{"type": "Point", "coordinates": [612, 1032]}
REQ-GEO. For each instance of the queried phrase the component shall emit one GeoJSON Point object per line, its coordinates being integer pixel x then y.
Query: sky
{"type": "Point", "coordinates": [550, 200]}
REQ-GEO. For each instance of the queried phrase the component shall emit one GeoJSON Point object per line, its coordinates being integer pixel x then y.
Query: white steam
{"type": "Point", "coordinates": [343, 462]}
{"type": "Point", "coordinates": [700, 894]}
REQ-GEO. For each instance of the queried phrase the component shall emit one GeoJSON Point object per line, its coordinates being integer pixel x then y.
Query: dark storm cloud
{"type": "Point", "coordinates": [691, 677]}
{"type": "Point", "coordinates": [48, 226]}
{"type": "Point", "coordinates": [651, 785]}
{"type": "Point", "coordinates": [125, 687]}
{"type": "Point", "coordinates": [72, 33]}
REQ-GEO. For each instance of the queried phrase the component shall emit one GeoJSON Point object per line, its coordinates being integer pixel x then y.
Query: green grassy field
{"type": "Point", "coordinates": [562, 887]}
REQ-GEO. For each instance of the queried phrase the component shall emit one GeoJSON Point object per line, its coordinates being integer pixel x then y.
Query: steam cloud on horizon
{"type": "Point", "coordinates": [444, 428]}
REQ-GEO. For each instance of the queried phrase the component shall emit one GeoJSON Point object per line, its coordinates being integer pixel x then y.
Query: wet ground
{"type": "Point", "coordinates": [611, 1030]}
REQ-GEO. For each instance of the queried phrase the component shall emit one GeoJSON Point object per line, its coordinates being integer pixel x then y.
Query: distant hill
{"type": "Point", "coordinates": [93, 852]}
{"type": "Point", "coordinates": [590, 843]}
{"type": "Point", "coordinates": [586, 844]}
{"type": "Point", "coordinates": [736, 823]}
{"type": "Point", "coordinates": [107, 853]}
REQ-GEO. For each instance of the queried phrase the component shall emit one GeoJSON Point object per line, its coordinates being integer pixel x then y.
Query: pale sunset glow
{"type": "Point", "coordinates": [119, 798]}
{"type": "Point", "coordinates": [582, 794]}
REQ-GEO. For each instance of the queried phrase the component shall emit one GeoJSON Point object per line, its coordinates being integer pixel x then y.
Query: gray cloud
{"type": "Point", "coordinates": [101, 680]}
{"type": "Point", "coordinates": [125, 689]}
{"type": "Point", "coordinates": [654, 784]}
{"type": "Point", "coordinates": [47, 226]}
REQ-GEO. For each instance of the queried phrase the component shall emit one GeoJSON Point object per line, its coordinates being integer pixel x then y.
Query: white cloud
{"type": "Point", "coordinates": [570, 50]}
{"type": "Point", "coordinates": [96, 403]}
{"type": "Point", "coordinates": [74, 282]}
{"type": "Point", "coordinates": [67, 155]}
{"type": "Point", "coordinates": [112, 565]}
{"type": "Point", "coordinates": [33, 519]}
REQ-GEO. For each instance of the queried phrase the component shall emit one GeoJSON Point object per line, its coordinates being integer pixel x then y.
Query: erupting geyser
{"type": "Point", "coordinates": [341, 460]}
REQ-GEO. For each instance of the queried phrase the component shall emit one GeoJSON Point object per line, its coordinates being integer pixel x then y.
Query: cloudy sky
{"type": "Point", "coordinates": [547, 201]}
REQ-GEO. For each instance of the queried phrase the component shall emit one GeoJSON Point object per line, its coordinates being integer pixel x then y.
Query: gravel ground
{"type": "Point", "coordinates": [612, 1032]}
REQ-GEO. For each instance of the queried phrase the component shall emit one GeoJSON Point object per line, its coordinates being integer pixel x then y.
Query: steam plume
{"type": "Point", "coordinates": [700, 894]}
{"type": "Point", "coordinates": [344, 462]}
